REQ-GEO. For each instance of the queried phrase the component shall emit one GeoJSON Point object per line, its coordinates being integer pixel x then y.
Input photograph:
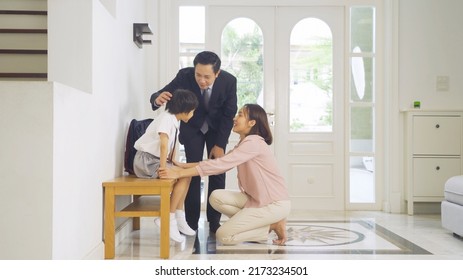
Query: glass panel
{"type": "Point", "coordinates": [311, 77]}
{"type": "Point", "coordinates": [191, 34]}
{"type": "Point", "coordinates": [361, 138]}
{"type": "Point", "coordinates": [362, 112]}
{"type": "Point", "coordinates": [362, 80]}
{"type": "Point", "coordinates": [362, 28]}
{"type": "Point", "coordinates": [362, 186]}
{"type": "Point", "coordinates": [242, 56]}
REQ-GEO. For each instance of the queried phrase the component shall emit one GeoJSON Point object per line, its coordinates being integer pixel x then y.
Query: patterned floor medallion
{"type": "Point", "coordinates": [315, 235]}
{"type": "Point", "coordinates": [319, 237]}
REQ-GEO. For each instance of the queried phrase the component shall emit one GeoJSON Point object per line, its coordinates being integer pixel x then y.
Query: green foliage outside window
{"type": "Point", "coordinates": [242, 57]}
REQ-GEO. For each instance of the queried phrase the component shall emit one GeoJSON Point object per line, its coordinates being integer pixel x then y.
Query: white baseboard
{"type": "Point", "coordinates": [122, 232]}
{"type": "Point", "coordinates": [426, 208]}
{"type": "Point", "coordinates": [97, 253]}
{"type": "Point", "coordinates": [395, 203]}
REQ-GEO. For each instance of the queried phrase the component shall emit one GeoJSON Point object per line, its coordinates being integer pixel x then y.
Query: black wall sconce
{"type": "Point", "coordinates": [138, 30]}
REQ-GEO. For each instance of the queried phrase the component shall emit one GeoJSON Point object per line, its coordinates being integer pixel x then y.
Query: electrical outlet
{"type": "Point", "coordinates": [442, 83]}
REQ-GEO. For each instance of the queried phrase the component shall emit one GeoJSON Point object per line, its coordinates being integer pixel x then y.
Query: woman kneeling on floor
{"type": "Point", "coordinates": [262, 204]}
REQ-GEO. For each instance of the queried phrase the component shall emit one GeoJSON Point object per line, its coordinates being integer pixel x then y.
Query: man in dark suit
{"type": "Point", "coordinates": [210, 125]}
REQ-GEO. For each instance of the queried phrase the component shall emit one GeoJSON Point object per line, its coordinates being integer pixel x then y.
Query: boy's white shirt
{"type": "Point", "coordinates": [150, 141]}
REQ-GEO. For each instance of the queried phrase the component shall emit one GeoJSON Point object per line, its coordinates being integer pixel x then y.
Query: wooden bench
{"type": "Point", "coordinates": [151, 198]}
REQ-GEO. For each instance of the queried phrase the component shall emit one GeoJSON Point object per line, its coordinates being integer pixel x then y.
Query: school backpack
{"type": "Point", "coordinates": [136, 130]}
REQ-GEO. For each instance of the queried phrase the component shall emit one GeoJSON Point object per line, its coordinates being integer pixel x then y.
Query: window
{"type": "Point", "coordinates": [311, 77]}
{"type": "Point", "coordinates": [362, 105]}
{"type": "Point", "coordinates": [191, 33]}
{"type": "Point", "coordinates": [242, 56]}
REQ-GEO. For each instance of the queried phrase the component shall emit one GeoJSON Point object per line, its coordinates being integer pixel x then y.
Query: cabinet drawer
{"type": "Point", "coordinates": [437, 135]}
{"type": "Point", "coordinates": [430, 175]}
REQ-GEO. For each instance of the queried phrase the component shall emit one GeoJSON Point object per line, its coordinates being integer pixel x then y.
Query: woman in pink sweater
{"type": "Point", "coordinates": [262, 204]}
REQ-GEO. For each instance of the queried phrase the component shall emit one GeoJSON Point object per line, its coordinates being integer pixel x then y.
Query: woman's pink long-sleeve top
{"type": "Point", "coordinates": [258, 174]}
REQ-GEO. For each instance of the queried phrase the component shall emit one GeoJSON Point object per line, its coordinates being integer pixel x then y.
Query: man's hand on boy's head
{"type": "Point", "coordinates": [163, 98]}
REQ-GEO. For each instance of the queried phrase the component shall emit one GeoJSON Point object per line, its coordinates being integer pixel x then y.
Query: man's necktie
{"type": "Point", "coordinates": [206, 96]}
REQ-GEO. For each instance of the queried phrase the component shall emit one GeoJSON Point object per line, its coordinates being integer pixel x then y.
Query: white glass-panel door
{"type": "Point", "coordinates": [310, 112]}
{"type": "Point", "coordinates": [244, 39]}
{"type": "Point", "coordinates": [298, 52]}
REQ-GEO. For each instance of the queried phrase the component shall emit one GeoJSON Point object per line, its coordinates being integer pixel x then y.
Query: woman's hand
{"type": "Point", "coordinates": [187, 170]}
{"type": "Point", "coordinates": [168, 173]}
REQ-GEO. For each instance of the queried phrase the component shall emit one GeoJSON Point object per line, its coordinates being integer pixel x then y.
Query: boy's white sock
{"type": "Point", "coordinates": [174, 232]}
{"type": "Point", "coordinates": [182, 225]}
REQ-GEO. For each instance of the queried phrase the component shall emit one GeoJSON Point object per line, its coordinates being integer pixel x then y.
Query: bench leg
{"type": "Point", "coordinates": [165, 223]}
{"type": "Point", "coordinates": [136, 220]}
{"type": "Point", "coordinates": [135, 223]}
{"type": "Point", "coordinates": [109, 226]}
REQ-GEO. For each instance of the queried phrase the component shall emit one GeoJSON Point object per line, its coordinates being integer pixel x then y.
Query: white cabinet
{"type": "Point", "coordinates": [433, 146]}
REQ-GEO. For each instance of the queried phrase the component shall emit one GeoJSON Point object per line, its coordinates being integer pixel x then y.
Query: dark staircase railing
{"type": "Point", "coordinates": [23, 50]}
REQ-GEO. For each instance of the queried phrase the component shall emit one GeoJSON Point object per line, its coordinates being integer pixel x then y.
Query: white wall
{"type": "Point", "coordinates": [431, 44]}
{"type": "Point", "coordinates": [70, 43]}
{"type": "Point", "coordinates": [90, 127]}
{"type": "Point", "coordinates": [26, 146]}
{"type": "Point", "coordinates": [68, 135]}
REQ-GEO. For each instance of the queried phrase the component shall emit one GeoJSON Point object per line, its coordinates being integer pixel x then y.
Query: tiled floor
{"type": "Point", "coordinates": [315, 236]}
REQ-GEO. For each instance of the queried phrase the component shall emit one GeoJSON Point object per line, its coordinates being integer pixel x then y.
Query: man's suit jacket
{"type": "Point", "coordinates": [222, 104]}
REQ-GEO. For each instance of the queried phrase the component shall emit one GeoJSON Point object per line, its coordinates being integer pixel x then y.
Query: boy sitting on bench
{"type": "Point", "coordinates": [156, 148]}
